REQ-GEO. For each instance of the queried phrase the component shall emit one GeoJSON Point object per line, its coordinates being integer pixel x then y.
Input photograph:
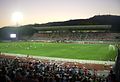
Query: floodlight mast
{"type": "Point", "coordinates": [17, 24]}
{"type": "Point", "coordinates": [17, 31]}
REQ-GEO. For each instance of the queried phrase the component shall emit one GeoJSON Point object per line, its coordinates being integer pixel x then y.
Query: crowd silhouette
{"type": "Point", "coordinates": [19, 70]}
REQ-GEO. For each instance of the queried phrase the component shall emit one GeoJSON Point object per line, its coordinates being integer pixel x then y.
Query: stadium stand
{"type": "Point", "coordinates": [77, 36]}
{"type": "Point", "coordinates": [18, 69]}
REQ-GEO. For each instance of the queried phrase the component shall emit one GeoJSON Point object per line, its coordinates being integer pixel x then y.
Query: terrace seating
{"type": "Point", "coordinates": [77, 36]}
{"type": "Point", "coordinates": [30, 70]}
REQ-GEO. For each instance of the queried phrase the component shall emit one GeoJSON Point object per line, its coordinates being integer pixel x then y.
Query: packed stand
{"type": "Point", "coordinates": [77, 36]}
{"type": "Point", "coordinates": [18, 70]}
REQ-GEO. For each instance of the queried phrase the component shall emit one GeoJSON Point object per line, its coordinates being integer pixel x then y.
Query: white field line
{"type": "Point", "coordinates": [65, 59]}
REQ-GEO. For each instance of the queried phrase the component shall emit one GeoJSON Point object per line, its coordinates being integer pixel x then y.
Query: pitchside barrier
{"type": "Point", "coordinates": [64, 59]}
{"type": "Point", "coordinates": [80, 42]}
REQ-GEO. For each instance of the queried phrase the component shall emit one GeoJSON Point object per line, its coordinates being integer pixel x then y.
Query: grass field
{"type": "Point", "coordinates": [61, 50]}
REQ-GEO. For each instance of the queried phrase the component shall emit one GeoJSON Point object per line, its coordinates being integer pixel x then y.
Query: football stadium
{"type": "Point", "coordinates": [84, 42]}
{"type": "Point", "coordinates": [59, 40]}
{"type": "Point", "coordinates": [77, 53]}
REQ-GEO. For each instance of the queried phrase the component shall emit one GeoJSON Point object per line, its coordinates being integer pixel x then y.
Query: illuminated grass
{"type": "Point", "coordinates": [61, 50]}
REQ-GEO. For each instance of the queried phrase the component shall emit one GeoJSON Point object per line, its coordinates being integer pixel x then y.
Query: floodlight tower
{"type": "Point", "coordinates": [17, 29]}
{"type": "Point", "coordinates": [17, 18]}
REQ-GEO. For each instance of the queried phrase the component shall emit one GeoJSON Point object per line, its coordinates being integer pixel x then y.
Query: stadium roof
{"type": "Point", "coordinates": [80, 27]}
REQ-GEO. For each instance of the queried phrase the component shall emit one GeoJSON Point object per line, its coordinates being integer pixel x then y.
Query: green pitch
{"type": "Point", "coordinates": [61, 50]}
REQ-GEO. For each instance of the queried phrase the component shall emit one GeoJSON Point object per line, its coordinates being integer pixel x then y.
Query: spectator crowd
{"type": "Point", "coordinates": [80, 36]}
{"type": "Point", "coordinates": [18, 70]}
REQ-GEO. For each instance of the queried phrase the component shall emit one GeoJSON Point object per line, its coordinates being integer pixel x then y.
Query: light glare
{"type": "Point", "coordinates": [17, 17]}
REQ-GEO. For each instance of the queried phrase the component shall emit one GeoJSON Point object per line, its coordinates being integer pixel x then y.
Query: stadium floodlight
{"type": "Point", "coordinates": [12, 35]}
{"type": "Point", "coordinates": [17, 17]}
